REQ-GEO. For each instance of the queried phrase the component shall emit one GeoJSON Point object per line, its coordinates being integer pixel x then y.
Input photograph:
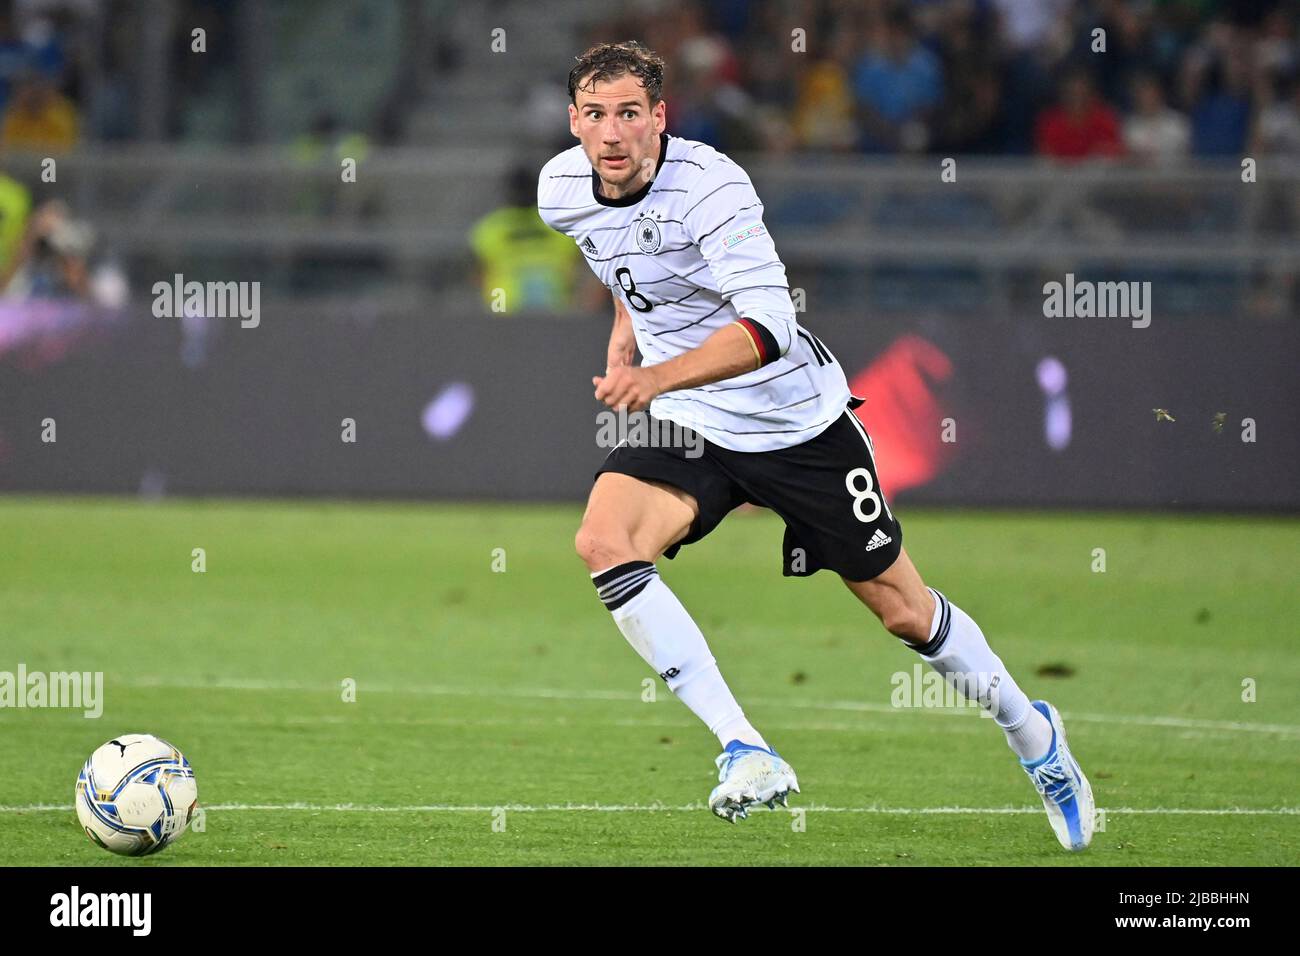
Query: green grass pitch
{"type": "Point", "coordinates": [480, 689]}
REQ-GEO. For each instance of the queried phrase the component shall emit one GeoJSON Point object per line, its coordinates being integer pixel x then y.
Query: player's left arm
{"type": "Point", "coordinates": [724, 216]}
{"type": "Point", "coordinates": [726, 353]}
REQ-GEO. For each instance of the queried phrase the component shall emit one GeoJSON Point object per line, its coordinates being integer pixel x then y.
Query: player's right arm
{"type": "Point", "coordinates": [622, 339]}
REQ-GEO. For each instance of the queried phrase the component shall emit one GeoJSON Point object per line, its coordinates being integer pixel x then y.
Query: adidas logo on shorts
{"type": "Point", "coordinates": [878, 540]}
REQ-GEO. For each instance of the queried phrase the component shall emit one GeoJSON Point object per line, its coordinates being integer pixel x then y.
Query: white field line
{"type": "Point", "coordinates": [548, 693]}
{"type": "Point", "coordinates": [650, 723]}
{"type": "Point", "coordinates": [685, 808]}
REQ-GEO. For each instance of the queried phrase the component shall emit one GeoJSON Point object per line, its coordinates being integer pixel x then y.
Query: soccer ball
{"type": "Point", "coordinates": [136, 794]}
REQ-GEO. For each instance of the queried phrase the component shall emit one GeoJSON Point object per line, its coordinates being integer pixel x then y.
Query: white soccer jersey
{"type": "Point", "coordinates": [688, 253]}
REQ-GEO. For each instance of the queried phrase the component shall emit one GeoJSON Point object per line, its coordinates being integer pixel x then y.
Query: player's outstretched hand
{"type": "Point", "coordinates": [630, 386]}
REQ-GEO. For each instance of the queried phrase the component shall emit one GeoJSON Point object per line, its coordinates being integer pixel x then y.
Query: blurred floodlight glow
{"type": "Point", "coordinates": [1057, 421]}
{"type": "Point", "coordinates": [448, 411]}
{"type": "Point", "coordinates": [1052, 376]}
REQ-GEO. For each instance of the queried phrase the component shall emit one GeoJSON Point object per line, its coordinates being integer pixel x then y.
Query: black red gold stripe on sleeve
{"type": "Point", "coordinates": [763, 342]}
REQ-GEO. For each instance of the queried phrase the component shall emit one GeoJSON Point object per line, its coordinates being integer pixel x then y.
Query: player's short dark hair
{"type": "Point", "coordinates": [605, 61]}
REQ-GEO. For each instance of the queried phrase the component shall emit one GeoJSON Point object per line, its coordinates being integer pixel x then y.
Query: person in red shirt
{"type": "Point", "coordinates": [1082, 125]}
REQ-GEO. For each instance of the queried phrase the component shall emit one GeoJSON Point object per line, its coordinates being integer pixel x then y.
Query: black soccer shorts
{"type": "Point", "coordinates": [825, 490]}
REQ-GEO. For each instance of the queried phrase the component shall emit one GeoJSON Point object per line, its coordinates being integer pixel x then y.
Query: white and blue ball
{"type": "Point", "coordinates": [136, 794]}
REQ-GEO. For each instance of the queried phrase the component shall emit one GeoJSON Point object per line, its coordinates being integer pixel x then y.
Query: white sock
{"type": "Point", "coordinates": [957, 650]}
{"type": "Point", "coordinates": [659, 629]}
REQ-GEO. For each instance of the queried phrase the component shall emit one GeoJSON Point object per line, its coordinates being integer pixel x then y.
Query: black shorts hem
{"type": "Point", "coordinates": [871, 565]}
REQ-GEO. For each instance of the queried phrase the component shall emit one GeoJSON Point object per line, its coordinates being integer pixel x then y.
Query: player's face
{"type": "Point", "coordinates": [619, 130]}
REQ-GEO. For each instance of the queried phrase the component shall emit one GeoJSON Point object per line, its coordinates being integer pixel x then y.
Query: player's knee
{"type": "Point", "coordinates": [601, 547]}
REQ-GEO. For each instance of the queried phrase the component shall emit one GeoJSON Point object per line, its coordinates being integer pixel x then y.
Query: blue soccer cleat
{"type": "Point", "coordinates": [749, 775]}
{"type": "Point", "coordinates": [1066, 793]}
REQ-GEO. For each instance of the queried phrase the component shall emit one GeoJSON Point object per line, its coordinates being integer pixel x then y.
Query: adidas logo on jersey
{"type": "Point", "coordinates": [878, 540]}
{"type": "Point", "coordinates": [588, 246]}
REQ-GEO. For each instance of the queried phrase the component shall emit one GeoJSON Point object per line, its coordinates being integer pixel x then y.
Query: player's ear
{"type": "Point", "coordinates": [573, 120]}
{"type": "Point", "coordinates": [660, 114]}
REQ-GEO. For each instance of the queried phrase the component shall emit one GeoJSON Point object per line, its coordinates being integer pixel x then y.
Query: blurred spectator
{"type": "Point", "coordinates": [1033, 25]}
{"type": "Point", "coordinates": [52, 259]}
{"type": "Point", "coordinates": [972, 82]}
{"type": "Point", "coordinates": [1277, 128]}
{"type": "Point", "coordinates": [1276, 53]}
{"type": "Point", "coordinates": [323, 149]}
{"type": "Point", "coordinates": [15, 204]}
{"type": "Point", "coordinates": [39, 117]}
{"type": "Point", "coordinates": [15, 57]}
{"type": "Point", "coordinates": [1154, 133]}
{"type": "Point", "coordinates": [1216, 88]}
{"type": "Point", "coordinates": [1129, 48]}
{"type": "Point", "coordinates": [1081, 125]}
{"type": "Point", "coordinates": [823, 113]}
{"type": "Point", "coordinates": [898, 83]}
{"type": "Point", "coordinates": [705, 98]}
{"type": "Point", "coordinates": [523, 263]}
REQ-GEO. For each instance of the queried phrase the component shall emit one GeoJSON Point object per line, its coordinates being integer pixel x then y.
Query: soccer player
{"type": "Point", "coordinates": [675, 229]}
